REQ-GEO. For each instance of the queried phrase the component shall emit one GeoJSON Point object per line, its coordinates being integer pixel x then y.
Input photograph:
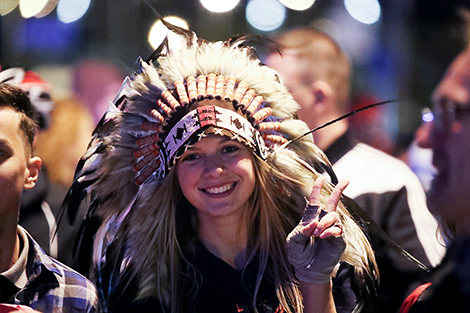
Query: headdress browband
{"type": "Point", "coordinates": [174, 123]}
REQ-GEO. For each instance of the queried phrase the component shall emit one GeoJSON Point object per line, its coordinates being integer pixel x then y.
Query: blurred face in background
{"type": "Point", "coordinates": [449, 139]}
{"type": "Point", "coordinates": [292, 72]}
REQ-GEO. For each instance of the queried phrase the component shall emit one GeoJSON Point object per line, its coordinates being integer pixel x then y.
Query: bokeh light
{"type": "Point", "coordinates": [219, 6]}
{"type": "Point", "coordinates": [298, 5]}
{"type": "Point", "coordinates": [265, 15]}
{"type": "Point", "coordinates": [37, 8]}
{"type": "Point", "coordinates": [158, 31]}
{"type": "Point", "coordinates": [427, 115]}
{"type": "Point", "coordinates": [364, 11]}
{"type": "Point", "coordinates": [6, 6]}
{"type": "Point", "coordinates": [69, 11]}
{"type": "Point", "coordinates": [48, 8]}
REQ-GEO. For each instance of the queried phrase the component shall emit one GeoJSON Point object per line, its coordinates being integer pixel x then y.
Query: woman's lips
{"type": "Point", "coordinates": [220, 190]}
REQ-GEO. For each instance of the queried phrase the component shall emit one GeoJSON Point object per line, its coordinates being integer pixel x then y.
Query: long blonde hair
{"type": "Point", "coordinates": [159, 251]}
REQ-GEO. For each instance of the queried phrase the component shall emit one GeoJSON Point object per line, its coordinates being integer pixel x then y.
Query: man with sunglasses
{"type": "Point", "coordinates": [449, 196]}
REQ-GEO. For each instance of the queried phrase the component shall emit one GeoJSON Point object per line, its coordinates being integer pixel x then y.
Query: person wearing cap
{"type": "Point", "coordinates": [28, 276]}
{"type": "Point", "coordinates": [209, 196]}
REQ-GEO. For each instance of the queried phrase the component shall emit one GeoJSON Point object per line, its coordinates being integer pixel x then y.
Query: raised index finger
{"type": "Point", "coordinates": [333, 200]}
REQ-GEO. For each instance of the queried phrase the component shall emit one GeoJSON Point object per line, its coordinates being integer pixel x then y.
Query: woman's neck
{"type": "Point", "coordinates": [226, 238]}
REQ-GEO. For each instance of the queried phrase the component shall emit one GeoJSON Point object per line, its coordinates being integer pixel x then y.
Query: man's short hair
{"type": "Point", "coordinates": [323, 59]}
{"type": "Point", "coordinates": [16, 98]}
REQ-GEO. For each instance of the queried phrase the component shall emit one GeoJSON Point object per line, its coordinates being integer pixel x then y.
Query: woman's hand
{"type": "Point", "coordinates": [316, 243]}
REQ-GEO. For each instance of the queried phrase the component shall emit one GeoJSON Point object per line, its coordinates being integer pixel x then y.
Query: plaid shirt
{"type": "Point", "coordinates": [53, 287]}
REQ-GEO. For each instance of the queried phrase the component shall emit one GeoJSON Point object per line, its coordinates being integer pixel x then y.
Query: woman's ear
{"type": "Point", "coordinates": [34, 165]}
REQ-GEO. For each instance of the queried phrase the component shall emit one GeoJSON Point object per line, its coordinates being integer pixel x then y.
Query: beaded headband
{"type": "Point", "coordinates": [171, 125]}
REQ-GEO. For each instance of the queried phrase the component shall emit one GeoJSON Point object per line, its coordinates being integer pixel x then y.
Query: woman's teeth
{"type": "Point", "coordinates": [217, 190]}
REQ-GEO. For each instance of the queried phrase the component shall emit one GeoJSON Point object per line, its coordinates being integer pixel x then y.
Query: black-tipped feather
{"type": "Point", "coordinates": [85, 169]}
{"type": "Point", "coordinates": [240, 42]}
{"type": "Point", "coordinates": [157, 53]}
{"type": "Point", "coordinates": [370, 106]}
{"type": "Point", "coordinates": [191, 37]}
{"type": "Point", "coordinates": [83, 246]}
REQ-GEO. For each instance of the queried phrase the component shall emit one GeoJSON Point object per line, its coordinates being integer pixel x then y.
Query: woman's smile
{"type": "Point", "coordinates": [217, 176]}
{"type": "Point", "coordinates": [220, 191]}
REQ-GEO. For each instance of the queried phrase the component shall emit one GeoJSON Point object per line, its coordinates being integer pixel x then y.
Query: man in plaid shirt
{"type": "Point", "coordinates": [27, 275]}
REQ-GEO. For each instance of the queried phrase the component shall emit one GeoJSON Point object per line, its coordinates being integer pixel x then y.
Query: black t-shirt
{"type": "Point", "coordinates": [221, 288]}
{"type": "Point", "coordinates": [225, 289]}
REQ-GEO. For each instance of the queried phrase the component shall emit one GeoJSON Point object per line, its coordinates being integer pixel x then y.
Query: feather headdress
{"type": "Point", "coordinates": [174, 99]}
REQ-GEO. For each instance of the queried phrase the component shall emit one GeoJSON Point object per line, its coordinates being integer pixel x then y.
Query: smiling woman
{"type": "Point", "coordinates": [216, 176]}
{"type": "Point", "coordinates": [202, 196]}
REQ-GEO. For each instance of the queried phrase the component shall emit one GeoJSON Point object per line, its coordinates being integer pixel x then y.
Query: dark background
{"type": "Point", "coordinates": [400, 57]}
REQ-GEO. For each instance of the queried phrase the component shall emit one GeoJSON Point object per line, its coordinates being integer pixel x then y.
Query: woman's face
{"type": "Point", "coordinates": [216, 176]}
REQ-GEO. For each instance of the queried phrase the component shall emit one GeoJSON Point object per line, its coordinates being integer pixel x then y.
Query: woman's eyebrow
{"type": "Point", "coordinates": [192, 148]}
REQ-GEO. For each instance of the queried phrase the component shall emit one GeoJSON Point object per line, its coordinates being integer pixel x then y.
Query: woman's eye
{"type": "Point", "coordinates": [229, 149]}
{"type": "Point", "coordinates": [189, 157]}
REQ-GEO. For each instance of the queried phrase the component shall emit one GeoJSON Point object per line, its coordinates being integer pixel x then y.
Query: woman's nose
{"type": "Point", "coordinates": [213, 167]}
